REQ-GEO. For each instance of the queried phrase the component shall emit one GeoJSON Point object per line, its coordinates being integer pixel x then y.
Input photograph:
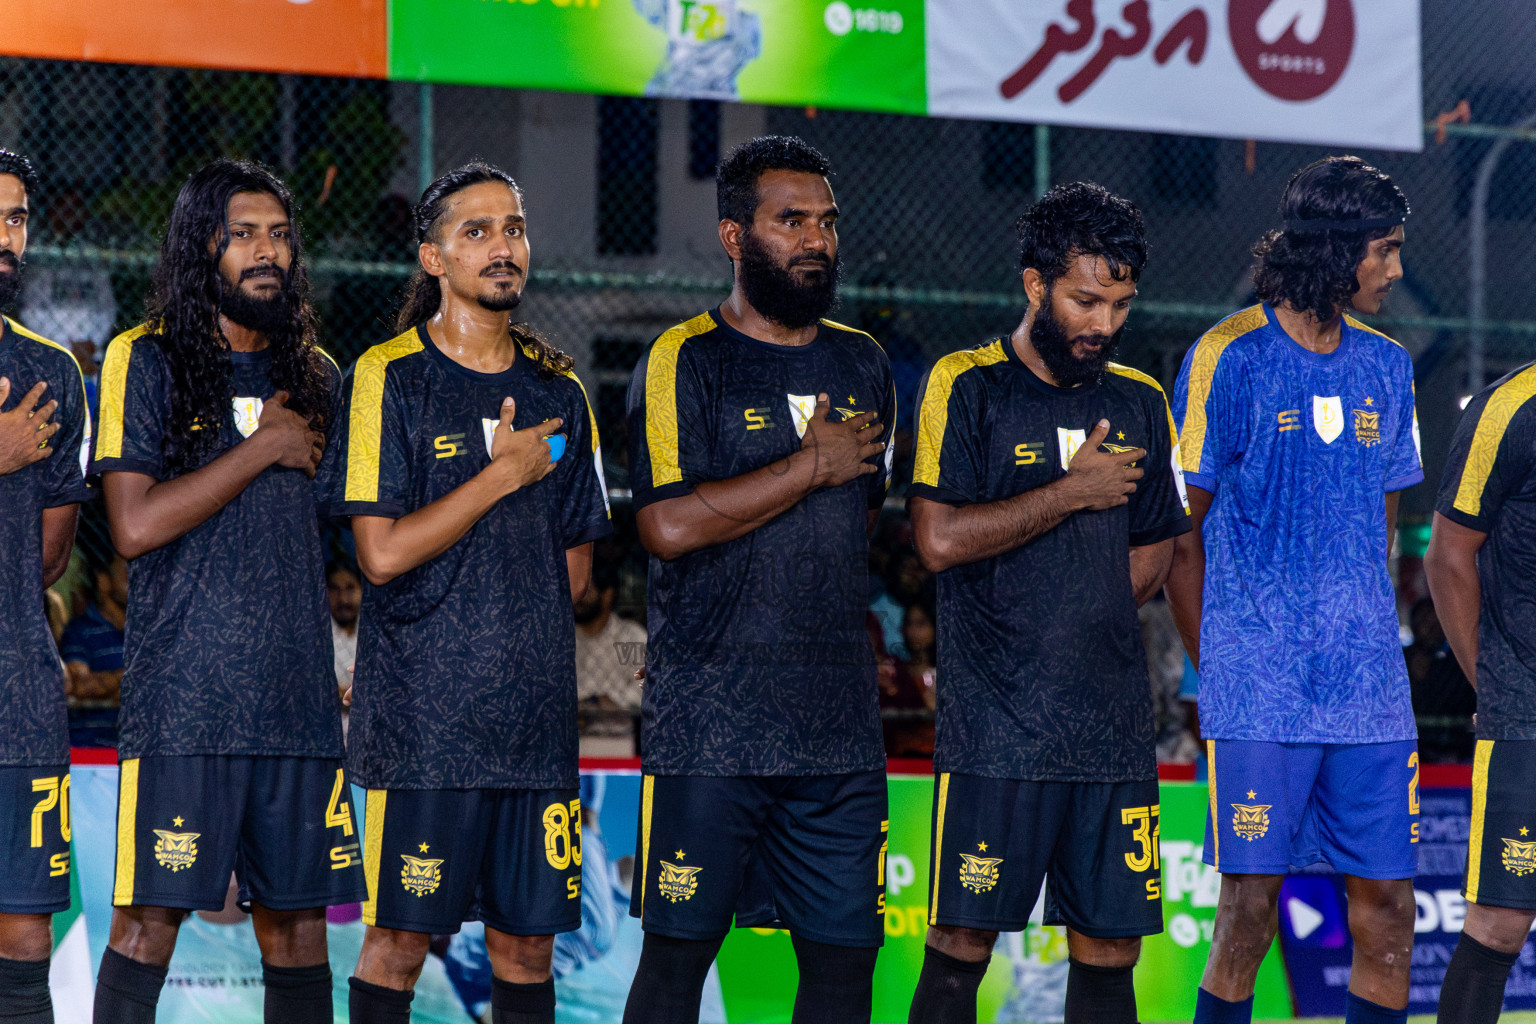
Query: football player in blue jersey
{"type": "Point", "coordinates": [1297, 430]}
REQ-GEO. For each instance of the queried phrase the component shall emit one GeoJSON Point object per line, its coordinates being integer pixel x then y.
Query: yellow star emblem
{"type": "Point", "coordinates": [852, 400]}
{"type": "Point", "coordinates": [982, 847]}
{"type": "Point", "coordinates": [1250, 794]}
{"type": "Point", "coordinates": [177, 821]}
{"type": "Point", "coordinates": [1368, 400]}
{"type": "Point", "coordinates": [423, 847]}
{"type": "Point", "coordinates": [1524, 831]}
{"type": "Point", "coordinates": [680, 855]}
{"type": "Point", "coordinates": [1120, 435]}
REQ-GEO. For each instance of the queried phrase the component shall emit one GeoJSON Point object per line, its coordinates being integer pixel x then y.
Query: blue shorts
{"type": "Point", "coordinates": [1279, 806]}
{"type": "Point", "coordinates": [805, 853]}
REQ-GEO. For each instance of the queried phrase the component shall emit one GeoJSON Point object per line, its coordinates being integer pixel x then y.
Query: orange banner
{"type": "Point", "coordinates": [320, 37]}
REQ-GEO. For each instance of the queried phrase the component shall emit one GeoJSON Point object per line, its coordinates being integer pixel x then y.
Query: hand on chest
{"type": "Point", "coordinates": [1029, 450]}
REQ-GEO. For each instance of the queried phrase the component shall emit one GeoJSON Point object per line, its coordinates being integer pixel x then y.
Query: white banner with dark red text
{"type": "Point", "coordinates": [1335, 72]}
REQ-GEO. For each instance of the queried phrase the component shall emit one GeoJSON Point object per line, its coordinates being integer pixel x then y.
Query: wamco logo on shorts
{"type": "Point", "coordinates": [1292, 49]}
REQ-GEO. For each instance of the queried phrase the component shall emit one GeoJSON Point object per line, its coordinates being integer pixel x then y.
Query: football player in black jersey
{"type": "Point", "coordinates": [43, 425]}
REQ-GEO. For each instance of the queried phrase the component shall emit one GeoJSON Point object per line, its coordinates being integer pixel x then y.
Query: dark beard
{"type": "Point", "coordinates": [10, 283]}
{"type": "Point", "coordinates": [265, 316]}
{"type": "Point", "coordinates": [777, 295]}
{"type": "Point", "coordinates": [499, 301]}
{"type": "Point", "coordinates": [1050, 340]}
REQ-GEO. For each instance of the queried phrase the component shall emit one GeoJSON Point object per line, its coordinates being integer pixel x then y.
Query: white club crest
{"type": "Point", "coordinates": [1327, 418]}
{"type": "Point", "coordinates": [247, 415]}
{"type": "Point", "coordinates": [1069, 441]}
{"type": "Point", "coordinates": [489, 426]}
{"type": "Point", "coordinates": [801, 409]}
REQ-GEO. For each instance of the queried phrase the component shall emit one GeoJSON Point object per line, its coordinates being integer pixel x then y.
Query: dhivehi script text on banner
{"type": "Point", "coordinates": [1334, 72]}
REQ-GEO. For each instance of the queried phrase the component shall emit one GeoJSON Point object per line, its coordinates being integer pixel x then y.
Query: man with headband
{"type": "Point", "coordinates": [1297, 431]}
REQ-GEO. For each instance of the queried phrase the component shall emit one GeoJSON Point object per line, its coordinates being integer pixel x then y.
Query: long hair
{"type": "Point", "coordinates": [1312, 269]}
{"type": "Point", "coordinates": [183, 310]}
{"type": "Point", "coordinates": [424, 293]}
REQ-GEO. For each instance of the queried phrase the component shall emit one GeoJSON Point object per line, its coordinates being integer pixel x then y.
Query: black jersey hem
{"type": "Point", "coordinates": [1481, 524]}
{"type": "Point", "coordinates": [591, 533]}
{"type": "Point", "coordinates": [79, 496]}
{"type": "Point", "coordinates": [644, 496]}
{"type": "Point", "coordinates": [1016, 774]}
{"type": "Point", "coordinates": [1166, 531]}
{"type": "Point", "coordinates": [124, 466]}
{"type": "Point", "coordinates": [933, 493]}
{"type": "Point", "coordinates": [342, 509]}
{"type": "Point", "coordinates": [750, 772]}
{"type": "Point", "coordinates": [418, 784]}
{"type": "Point", "coordinates": [128, 753]}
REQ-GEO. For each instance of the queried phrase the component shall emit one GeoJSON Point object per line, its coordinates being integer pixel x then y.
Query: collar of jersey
{"type": "Point", "coordinates": [1306, 355]}
{"type": "Point", "coordinates": [1044, 387]}
{"type": "Point", "coordinates": [768, 346]}
{"type": "Point", "coordinates": [448, 363]}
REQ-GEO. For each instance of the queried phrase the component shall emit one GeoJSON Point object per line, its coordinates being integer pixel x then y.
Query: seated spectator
{"type": "Point", "coordinates": [344, 591]}
{"type": "Point", "coordinates": [609, 649]}
{"type": "Point", "coordinates": [907, 717]}
{"type": "Point", "coordinates": [1443, 700]}
{"type": "Point", "coordinates": [92, 649]}
{"type": "Point", "coordinates": [1165, 667]}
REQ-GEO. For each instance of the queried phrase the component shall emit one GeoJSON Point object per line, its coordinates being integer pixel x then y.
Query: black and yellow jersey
{"type": "Point", "coordinates": [758, 661]}
{"type": "Point", "coordinates": [32, 726]}
{"type": "Point", "coordinates": [227, 648]}
{"type": "Point", "coordinates": [1489, 486]}
{"type": "Point", "coordinates": [466, 674]}
{"type": "Point", "coordinates": [1041, 671]}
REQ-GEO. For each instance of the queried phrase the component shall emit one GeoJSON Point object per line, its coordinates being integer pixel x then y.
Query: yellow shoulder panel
{"type": "Point", "coordinates": [1202, 372]}
{"type": "Point", "coordinates": [1501, 407]}
{"type": "Point", "coordinates": [366, 425]}
{"type": "Point", "coordinates": [933, 408]}
{"type": "Point", "coordinates": [661, 400]}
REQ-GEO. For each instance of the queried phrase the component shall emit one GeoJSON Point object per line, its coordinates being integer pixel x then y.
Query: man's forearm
{"type": "Point", "coordinates": [948, 536]}
{"type": "Point", "coordinates": [719, 511]}
{"type": "Point", "coordinates": [387, 548]}
{"type": "Point", "coordinates": [1186, 590]}
{"type": "Point", "coordinates": [145, 514]}
{"type": "Point", "coordinates": [1457, 592]}
{"type": "Point", "coordinates": [1149, 569]}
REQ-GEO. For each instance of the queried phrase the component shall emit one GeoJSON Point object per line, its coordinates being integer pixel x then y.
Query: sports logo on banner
{"type": "Point", "coordinates": [1337, 72]}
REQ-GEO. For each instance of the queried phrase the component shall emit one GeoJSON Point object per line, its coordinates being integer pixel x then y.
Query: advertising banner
{"type": "Point", "coordinates": [838, 54]}
{"type": "Point", "coordinates": [315, 37]}
{"type": "Point", "coordinates": [1335, 72]}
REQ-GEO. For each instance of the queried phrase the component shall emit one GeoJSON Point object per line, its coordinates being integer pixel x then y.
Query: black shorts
{"type": "Point", "coordinates": [283, 825]}
{"type": "Point", "coordinates": [34, 835]}
{"type": "Point", "coordinates": [436, 858]}
{"type": "Point", "coordinates": [1501, 848]}
{"type": "Point", "coordinates": [995, 840]}
{"type": "Point", "coordinates": [805, 853]}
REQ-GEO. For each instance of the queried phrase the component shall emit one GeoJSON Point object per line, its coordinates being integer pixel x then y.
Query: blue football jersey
{"type": "Point", "coordinates": [1299, 633]}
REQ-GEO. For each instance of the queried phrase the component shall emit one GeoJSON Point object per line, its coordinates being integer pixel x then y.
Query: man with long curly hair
{"type": "Point", "coordinates": [215, 412]}
{"type": "Point", "coordinates": [1297, 431]}
{"type": "Point", "coordinates": [471, 471]}
{"type": "Point", "coordinates": [44, 427]}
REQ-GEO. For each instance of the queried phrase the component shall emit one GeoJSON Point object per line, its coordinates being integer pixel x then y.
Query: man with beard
{"type": "Point", "coordinates": [1025, 501]}
{"type": "Point", "coordinates": [756, 458]}
{"type": "Point", "coordinates": [1296, 433]}
{"type": "Point", "coordinates": [214, 415]}
{"type": "Point", "coordinates": [42, 458]}
{"type": "Point", "coordinates": [474, 522]}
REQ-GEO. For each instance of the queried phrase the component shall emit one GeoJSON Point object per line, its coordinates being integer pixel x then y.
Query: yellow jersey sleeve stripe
{"type": "Point", "coordinates": [127, 828]}
{"type": "Point", "coordinates": [1202, 373]}
{"type": "Point", "coordinates": [661, 440]}
{"type": "Point", "coordinates": [1134, 374]}
{"type": "Point", "coordinates": [366, 425]}
{"type": "Point", "coordinates": [647, 796]}
{"type": "Point", "coordinates": [1210, 758]}
{"type": "Point", "coordinates": [1480, 760]}
{"type": "Point", "coordinates": [113, 393]}
{"type": "Point", "coordinates": [1506, 400]}
{"type": "Point", "coordinates": [933, 412]}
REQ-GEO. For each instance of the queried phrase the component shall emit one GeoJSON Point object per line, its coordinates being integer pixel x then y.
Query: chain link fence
{"type": "Point", "coordinates": [620, 197]}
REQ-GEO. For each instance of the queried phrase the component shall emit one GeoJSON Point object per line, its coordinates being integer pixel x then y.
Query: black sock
{"type": "Point", "coordinates": [375, 1004]}
{"type": "Point", "coordinates": [837, 983]}
{"type": "Point", "coordinates": [297, 995]}
{"type": "Point", "coordinates": [670, 980]}
{"type": "Point", "coordinates": [24, 995]}
{"type": "Point", "coordinates": [946, 989]}
{"type": "Point", "coordinates": [514, 1003]}
{"type": "Point", "coordinates": [1473, 991]}
{"type": "Point", "coordinates": [126, 990]}
{"type": "Point", "coordinates": [1099, 995]}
